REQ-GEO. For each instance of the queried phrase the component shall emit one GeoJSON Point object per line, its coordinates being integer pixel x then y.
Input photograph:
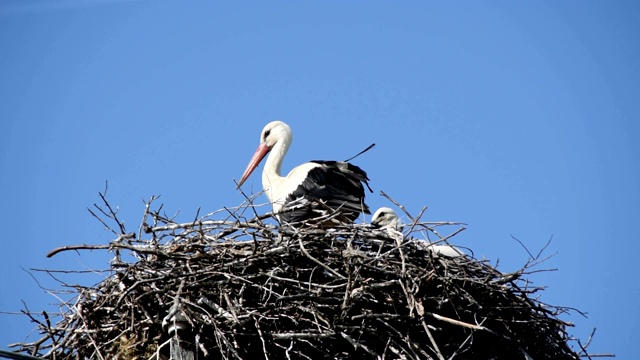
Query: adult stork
{"type": "Point", "coordinates": [386, 218]}
{"type": "Point", "coordinates": [310, 190]}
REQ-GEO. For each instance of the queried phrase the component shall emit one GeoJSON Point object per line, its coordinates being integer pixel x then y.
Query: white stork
{"type": "Point", "coordinates": [386, 218]}
{"type": "Point", "coordinates": [314, 188]}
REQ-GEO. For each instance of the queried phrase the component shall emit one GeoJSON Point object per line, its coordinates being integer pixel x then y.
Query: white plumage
{"type": "Point", "coordinates": [318, 187]}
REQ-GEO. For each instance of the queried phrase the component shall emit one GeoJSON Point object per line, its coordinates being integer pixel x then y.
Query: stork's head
{"type": "Point", "coordinates": [385, 218]}
{"type": "Point", "coordinates": [275, 132]}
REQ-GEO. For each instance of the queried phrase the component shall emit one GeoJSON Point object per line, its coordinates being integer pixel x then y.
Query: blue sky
{"type": "Point", "coordinates": [518, 118]}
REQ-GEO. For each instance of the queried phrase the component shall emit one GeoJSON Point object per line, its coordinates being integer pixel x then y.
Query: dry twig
{"type": "Point", "coordinates": [253, 290]}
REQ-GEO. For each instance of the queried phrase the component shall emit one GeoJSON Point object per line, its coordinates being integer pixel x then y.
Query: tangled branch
{"type": "Point", "coordinates": [248, 288]}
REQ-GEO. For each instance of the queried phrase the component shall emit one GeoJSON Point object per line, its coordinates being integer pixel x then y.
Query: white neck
{"type": "Point", "coordinates": [271, 175]}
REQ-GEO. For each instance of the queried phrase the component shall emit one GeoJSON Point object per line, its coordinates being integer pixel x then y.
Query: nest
{"type": "Point", "coordinates": [245, 288]}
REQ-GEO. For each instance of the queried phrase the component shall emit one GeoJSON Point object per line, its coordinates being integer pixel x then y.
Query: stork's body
{"type": "Point", "coordinates": [310, 190]}
{"type": "Point", "coordinates": [386, 218]}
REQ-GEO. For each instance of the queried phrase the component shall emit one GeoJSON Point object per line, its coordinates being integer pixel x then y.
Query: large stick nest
{"type": "Point", "coordinates": [245, 288]}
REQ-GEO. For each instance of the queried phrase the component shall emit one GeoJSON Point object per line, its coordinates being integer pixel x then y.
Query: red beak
{"type": "Point", "coordinates": [255, 161]}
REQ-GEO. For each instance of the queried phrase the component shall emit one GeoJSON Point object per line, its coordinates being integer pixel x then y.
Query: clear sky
{"type": "Point", "coordinates": [518, 118]}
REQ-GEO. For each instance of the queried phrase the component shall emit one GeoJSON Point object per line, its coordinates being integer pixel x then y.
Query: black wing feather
{"type": "Point", "coordinates": [335, 185]}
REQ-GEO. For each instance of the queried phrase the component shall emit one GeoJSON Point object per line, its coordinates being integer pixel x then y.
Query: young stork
{"type": "Point", "coordinates": [312, 189]}
{"type": "Point", "coordinates": [386, 218]}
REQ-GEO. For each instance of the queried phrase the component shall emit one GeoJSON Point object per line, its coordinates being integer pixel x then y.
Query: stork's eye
{"type": "Point", "coordinates": [266, 133]}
